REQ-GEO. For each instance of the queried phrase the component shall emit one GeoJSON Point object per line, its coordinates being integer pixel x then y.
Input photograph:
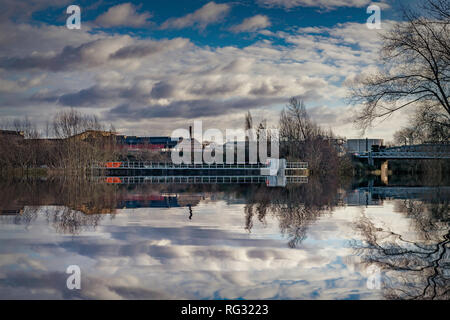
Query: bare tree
{"type": "Point", "coordinates": [415, 69]}
{"type": "Point", "coordinates": [428, 125]}
{"type": "Point", "coordinates": [80, 141]}
{"type": "Point", "coordinates": [405, 136]}
{"type": "Point", "coordinates": [77, 151]}
{"type": "Point", "coordinates": [432, 124]}
{"type": "Point", "coordinates": [439, 9]}
{"type": "Point", "coordinates": [69, 123]}
{"type": "Point", "coordinates": [302, 139]}
{"type": "Point", "coordinates": [248, 121]}
{"type": "Point", "coordinates": [295, 122]}
{"type": "Point", "coordinates": [28, 128]}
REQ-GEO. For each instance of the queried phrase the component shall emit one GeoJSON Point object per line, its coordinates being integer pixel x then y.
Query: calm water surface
{"type": "Point", "coordinates": [315, 241]}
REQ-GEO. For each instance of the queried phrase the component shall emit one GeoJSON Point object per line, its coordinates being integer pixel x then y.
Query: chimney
{"type": "Point", "coordinates": [192, 144]}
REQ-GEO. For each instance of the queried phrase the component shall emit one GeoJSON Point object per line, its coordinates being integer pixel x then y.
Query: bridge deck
{"type": "Point", "coordinates": [404, 155]}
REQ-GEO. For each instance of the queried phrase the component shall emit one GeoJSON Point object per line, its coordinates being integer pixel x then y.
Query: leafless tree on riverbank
{"type": "Point", "coordinates": [415, 67]}
{"type": "Point", "coordinates": [427, 125]}
{"type": "Point", "coordinates": [302, 139]}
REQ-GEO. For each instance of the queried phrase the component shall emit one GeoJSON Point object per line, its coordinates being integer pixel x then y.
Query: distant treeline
{"type": "Point", "coordinates": [71, 142]}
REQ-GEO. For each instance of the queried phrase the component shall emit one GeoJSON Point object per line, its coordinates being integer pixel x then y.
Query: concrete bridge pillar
{"type": "Point", "coordinates": [385, 172]}
{"type": "Point", "coordinates": [371, 162]}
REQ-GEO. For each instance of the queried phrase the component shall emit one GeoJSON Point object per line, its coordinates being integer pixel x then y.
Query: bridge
{"type": "Point", "coordinates": [405, 192]}
{"type": "Point", "coordinates": [373, 196]}
{"type": "Point", "coordinates": [413, 152]}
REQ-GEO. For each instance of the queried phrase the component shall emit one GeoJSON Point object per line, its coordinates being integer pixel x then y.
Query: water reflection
{"type": "Point", "coordinates": [415, 262]}
{"type": "Point", "coordinates": [311, 241]}
{"type": "Point", "coordinates": [295, 207]}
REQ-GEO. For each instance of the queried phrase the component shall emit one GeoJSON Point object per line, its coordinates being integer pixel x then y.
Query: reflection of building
{"type": "Point", "coordinates": [11, 212]}
{"type": "Point", "coordinates": [10, 134]}
{"type": "Point", "coordinates": [10, 208]}
{"type": "Point", "coordinates": [157, 201]}
{"type": "Point", "coordinates": [362, 197]}
{"type": "Point", "coordinates": [160, 201]}
{"type": "Point", "coordinates": [126, 201]}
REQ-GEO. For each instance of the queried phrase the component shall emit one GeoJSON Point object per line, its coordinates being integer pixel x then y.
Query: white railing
{"type": "Point", "coordinates": [405, 155]}
{"type": "Point", "coordinates": [169, 165]}
{"type": "Point", "coordinates": [297, 165]}
{"type": "Point", "coordinates": [192, 179]}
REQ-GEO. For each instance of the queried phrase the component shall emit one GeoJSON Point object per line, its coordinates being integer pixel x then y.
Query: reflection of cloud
{"type": "Point", "coordinates": [212, 256]}
{"type": "Point", "coordinates": [52, 285]}
{"type": "Point", "coordinates": [159, 253]}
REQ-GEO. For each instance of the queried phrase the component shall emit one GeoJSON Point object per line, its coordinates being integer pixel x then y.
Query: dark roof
{"type": "Point", "coordinates": [167, 141]}
{"type": "Point", "coordinates": [12, 132]}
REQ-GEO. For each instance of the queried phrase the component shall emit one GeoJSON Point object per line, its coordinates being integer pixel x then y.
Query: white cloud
{"type": "Point", "coordinates": [208, 14]}
{"type": "Point", "coordinates": [22, 10]}
{"type": "Point", "coordinates": [123, 15]}
{"type": "Point", "coordinates": [140, 83]}
{"type": "Point", "coordinates": [252, 24]}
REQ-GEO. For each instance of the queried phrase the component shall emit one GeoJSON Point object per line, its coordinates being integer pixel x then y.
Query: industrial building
{"type": "Point", "coordinates": [362, 145]}
{"type": "Point", "coordinates": [129, 143]}
{"type": "Point", "coordinates": [146, 143]}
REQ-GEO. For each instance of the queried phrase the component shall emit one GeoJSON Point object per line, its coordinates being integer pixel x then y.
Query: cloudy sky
{"type": "Point", "coordinates": [154, 67]}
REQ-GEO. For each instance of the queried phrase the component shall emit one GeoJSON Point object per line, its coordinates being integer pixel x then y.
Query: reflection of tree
{"type": "Point", "coordinates": [69, 221]}
{"type": "Point", "coordinates": [70, 206]}
{"type": "Point", "coordinates": [27, 217]}
{"type": "Point", "coordinates": [295, 207]}
{"type": "Point", "coordinates": [73, 205]}
{"type": "Point", "coordinates": [63, 219]}
{"type": "Point", "coordinates": [417, 268]}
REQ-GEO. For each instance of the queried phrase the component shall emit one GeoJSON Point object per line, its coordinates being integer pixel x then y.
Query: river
{"type": "Point", "coordinates": [318, 240]}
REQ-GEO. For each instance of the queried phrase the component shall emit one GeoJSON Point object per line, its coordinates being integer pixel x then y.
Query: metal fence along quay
{"type": "Point", "coordinates": [194, 179]}
{"type": "Point", "coordinates": [199, 166]}
{"type": "Point", "coordinates": [275, 173]}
